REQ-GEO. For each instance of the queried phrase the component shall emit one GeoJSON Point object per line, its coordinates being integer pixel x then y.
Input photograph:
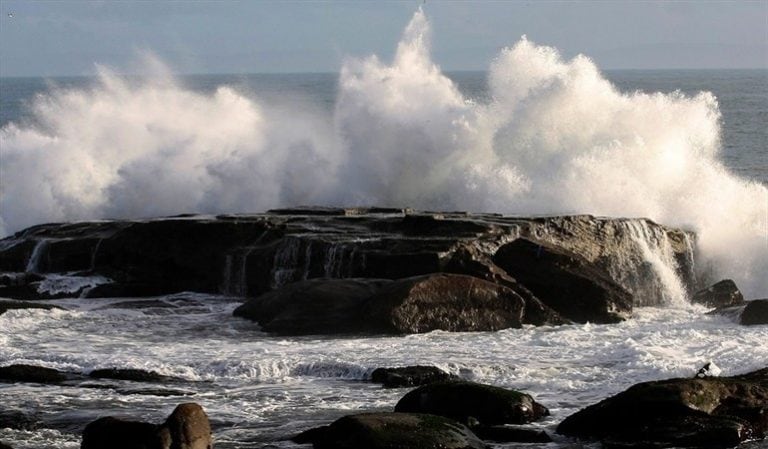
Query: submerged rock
{"type": "Point", "coordinates": [565, 281]}
{"type": "Point", "coordinates": [392, 431]}
{"type": "Point", "coordinates": [15, 305]}
{"type": "Point", "coordinates": [409, 376]}
{"type": "Point", "coordinates": [721, 294]}
{"type": "Point", "coordinates": [31, 373]}
{"type": "Point", "coordinates": [716, 412]}
{"type": "Point", "coordinates": [5, 446]}
{"type": "Point", "coordinates": [136, 375]}
{"type": "Point", "coordinates": [472, 402]}
{"type": "Point", "coordinates": [15, 419]}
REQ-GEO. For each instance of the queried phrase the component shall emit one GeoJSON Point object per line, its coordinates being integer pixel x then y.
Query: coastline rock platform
{"type": "Point", "coordinates": [250, 255]}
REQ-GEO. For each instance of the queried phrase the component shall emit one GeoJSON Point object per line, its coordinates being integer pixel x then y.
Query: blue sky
{"type": "Point", "coordinates": [65, 37]}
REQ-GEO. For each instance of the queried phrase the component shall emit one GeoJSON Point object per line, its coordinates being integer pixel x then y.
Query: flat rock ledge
{"type": "Point", "coordinates": [712, 412]}
{"type": "Point", "coordinates": [600, 263]}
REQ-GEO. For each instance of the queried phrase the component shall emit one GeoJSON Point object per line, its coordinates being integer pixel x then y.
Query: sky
{"type": "Point", "coordinates": [65, 37]}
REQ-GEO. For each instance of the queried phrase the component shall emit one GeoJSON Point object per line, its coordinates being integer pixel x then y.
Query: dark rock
{"type": "Point", "coordinates": [472, 261]}
{"type": "Point", "coordinates": [187, 428]}
{"type": "Point", "coordinates": [114, 433]}
{"type": "Point", "coordinates": [12, 305]}
{"type": "Point", "coordinates": [409, 376]}
{"type": "Point", "coordinates": [5, 446]}
{"type": "Point", "coordinates": [14, 419]}
{"type": "Point", "coordinates": [246, 255]}
{"type": "Point", "coordinates": [509, 434]}
{"type": "Point", "coordinates": [393, 431]}
{"type": "Point", "coordinates": [715, 412]}
{"type": "Point", "coordinates": [136, 375]}
{"type": "Point", "coordinates": [465, 401]}
{"type": "Point", "coordinates": [722, 294]}
{"type": "Point", "coordinates": [30, 373]}
{"type": "Point", "coordinates": [565, 281]}
{"type": "Point", "coordinates": [317, 306]}
{"type": "Point", "coordinates": [442, 302]}
{"type": "Point", "coordinates": [755, 312]}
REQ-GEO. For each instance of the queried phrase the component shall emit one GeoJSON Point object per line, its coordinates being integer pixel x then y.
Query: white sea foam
{"type": "Point", "coordinates": [556, 137]}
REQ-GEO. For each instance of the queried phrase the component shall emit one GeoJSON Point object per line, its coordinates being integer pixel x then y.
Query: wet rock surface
{"type": "Point", "coordinates": [392, 431]}
{"type": "Point", "coordinates": [247, 255]}
{"type": "Point", "coordinates": [716, 412]}
{"type": "Point", "coordinates": [16, 305]}
{"type": "Point", "coordinates": [30, 373]}
{"type": "Point", "coordinates": [755, 312]}
{"type": "Point", "coordinates": [409, 376]}
{"type": "Point", "coordinates": [135, 375]}
{"type": "Point", "coordinates": [470, 402]}
{"type": "Point", "coordinates": [186, 428]}
{"type": "Point", "coordinates": [565, 282]}
{"type": "Point", "coordinates": [721, 294]}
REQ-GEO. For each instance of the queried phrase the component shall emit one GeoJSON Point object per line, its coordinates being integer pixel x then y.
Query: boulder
{"type": "Point", "coordinates": [448, 302]}
{"type": "Point", "coordinates": [5, 446]}
{"type": "Point", "coordinates": [392, 431]}
{"type": "Point", "coordinates": [721, 294]}
{"type": "Point", "coordinates": [136, 375]}
{"type": "Point", "coordinates": [472, 402]}
{"type": "Point", "coordinates": [566, 282]}
{"type": "Point", "coordinates": [755, 312]}
{"type": "Point", "coordinates": [409, 376]}
{"type": "Point", "coordinates": [30, 373]}
{"type": "Point", "coordinates": [114, 433]}
{"type": "Point", "coordinates": [187, 428]}
{"type": "Point", "coordinates": [715, 412]}
{"type": "Point", "coordinates": [317, 306]}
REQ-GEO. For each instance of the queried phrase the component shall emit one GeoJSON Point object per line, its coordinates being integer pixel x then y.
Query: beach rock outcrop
{"type": "Point", "coordinates": [409, 376]}
{"type": "Point", "coordinates": [715, 412]}
{"type": "Point", "coordinates": [247, 255]}
{"type": "Point", "coordinates": [15, 419]}
{"type": "Point", "coordinates": [471, 402]}
{"type": "Point", "coordinates": [721, 294]}
{"type": "Point", "coordinates": [565, 281]}
{"type": "Point", "coordinates": [392, 431]}
{"type": "Point", "coordinates": [186, 428]}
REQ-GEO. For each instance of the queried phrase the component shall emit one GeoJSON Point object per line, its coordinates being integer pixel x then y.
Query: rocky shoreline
{"type": "Point", "coordinates": [380, 271]}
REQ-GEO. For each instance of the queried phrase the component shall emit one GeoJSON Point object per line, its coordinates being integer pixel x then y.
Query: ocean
{"type": "Point", "coordinates": [532, 135]}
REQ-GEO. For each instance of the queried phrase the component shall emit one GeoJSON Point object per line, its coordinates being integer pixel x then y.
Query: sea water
{"type": "Point", "coordinates": [533, 134]}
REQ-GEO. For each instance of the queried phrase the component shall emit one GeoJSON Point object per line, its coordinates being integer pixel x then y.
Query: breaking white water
{"type": "Point", "coordinates": [262, 390]}
{"type": "Point", "coordinates": [554, 137]}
